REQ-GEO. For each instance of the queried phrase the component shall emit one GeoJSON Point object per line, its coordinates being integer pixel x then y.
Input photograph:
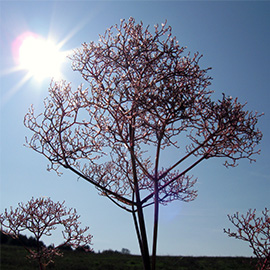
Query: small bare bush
{"type": "Point", "coordinates": [41, 217]}
{"type": "Point", "coordinates": [256, 231]}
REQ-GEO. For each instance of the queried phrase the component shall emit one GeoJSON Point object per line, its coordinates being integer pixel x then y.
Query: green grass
{"type": "Point", "coordinates": [14, 257]}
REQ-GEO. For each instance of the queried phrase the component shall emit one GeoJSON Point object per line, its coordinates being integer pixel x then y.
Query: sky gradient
{"type": "Point", "coordinates": [234, 38]}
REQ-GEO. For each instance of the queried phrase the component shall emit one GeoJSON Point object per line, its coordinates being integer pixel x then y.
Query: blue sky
{"type": "Point", "coordinates": [234, 38]}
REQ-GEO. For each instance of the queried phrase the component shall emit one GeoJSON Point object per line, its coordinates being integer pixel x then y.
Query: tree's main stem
{"type": "Point", "coordinates": [155, 232]}
{"type": "Point", "coordinates": [141, 233]}
{"type": "Point", "coordinates": [143, 238]}
{"type": "Point", "coordinates": [156, 200]}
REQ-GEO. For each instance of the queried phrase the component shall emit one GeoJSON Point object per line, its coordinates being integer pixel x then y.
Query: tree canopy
{"type": "Point", "coordinates": [145, 96]}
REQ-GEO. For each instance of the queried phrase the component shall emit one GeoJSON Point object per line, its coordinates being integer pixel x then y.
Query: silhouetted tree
{"type": "Point", "coordinates": [146, 99]}
{"type": "Point", "coordinates": [41, 217]}
{"type": "Point", "coordinates": [125, 251]}
{"type": "Point", "coordinates": [256, 231]}
{"type": "Point", "coordinates": [110, 252]}
{"type": "Point", "coordinates": [83, 249]}
{"type": "Point", "coordinates": [66, 247]}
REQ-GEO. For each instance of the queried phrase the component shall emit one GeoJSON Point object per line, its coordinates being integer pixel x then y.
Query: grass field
{"type": "Point", "coordinates": [13, 257]}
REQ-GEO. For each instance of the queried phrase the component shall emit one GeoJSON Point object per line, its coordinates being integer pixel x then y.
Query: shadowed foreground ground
{"type": "Point", "coordinates": [13, 257]}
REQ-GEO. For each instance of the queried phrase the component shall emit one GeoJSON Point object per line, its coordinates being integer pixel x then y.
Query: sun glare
{"type": "Point", "coordinates": [39, 56]}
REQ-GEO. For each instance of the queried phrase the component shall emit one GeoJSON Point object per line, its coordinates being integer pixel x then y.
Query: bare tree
{"type": "Point", "coordinates": [41, 217]}
{"type": "Point", "coordinates": [146, 98]}
{"type": "Point", "coordinates": [256, 231]}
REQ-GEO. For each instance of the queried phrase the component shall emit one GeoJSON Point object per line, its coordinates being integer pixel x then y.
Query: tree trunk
{"type": "Point", "coordinates": [143, 240]}
{"type": "Point", "coordinates": [155, 231]}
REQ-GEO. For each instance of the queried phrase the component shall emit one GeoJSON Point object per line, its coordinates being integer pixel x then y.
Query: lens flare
{"type": "Point", "coordinates": [40, 57]}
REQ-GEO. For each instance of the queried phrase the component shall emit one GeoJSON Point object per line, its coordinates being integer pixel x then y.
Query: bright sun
{"type": "Point", "coordinates": [40, 57]}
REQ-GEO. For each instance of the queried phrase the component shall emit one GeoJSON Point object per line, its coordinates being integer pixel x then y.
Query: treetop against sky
{"type": "Point", "coordinates": [228, 36]}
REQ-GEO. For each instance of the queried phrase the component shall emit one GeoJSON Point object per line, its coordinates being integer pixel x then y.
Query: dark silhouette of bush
{"type": "Point", "coordinates": [3, 238]}
{"type": "Point", "coordinates": [65, 247]}
{"type": "Point", "coordinates": [84, 249]}
{"type": "Point", "coordinates": [125, 251]}
{"type": "Point", "coordinates": [110, 252]}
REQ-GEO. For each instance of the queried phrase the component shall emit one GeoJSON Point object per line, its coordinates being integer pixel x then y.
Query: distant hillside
{"type": "Point", "coordinates": [23, 240]}
{"type": "Point", "coordinates": [14, 258]}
